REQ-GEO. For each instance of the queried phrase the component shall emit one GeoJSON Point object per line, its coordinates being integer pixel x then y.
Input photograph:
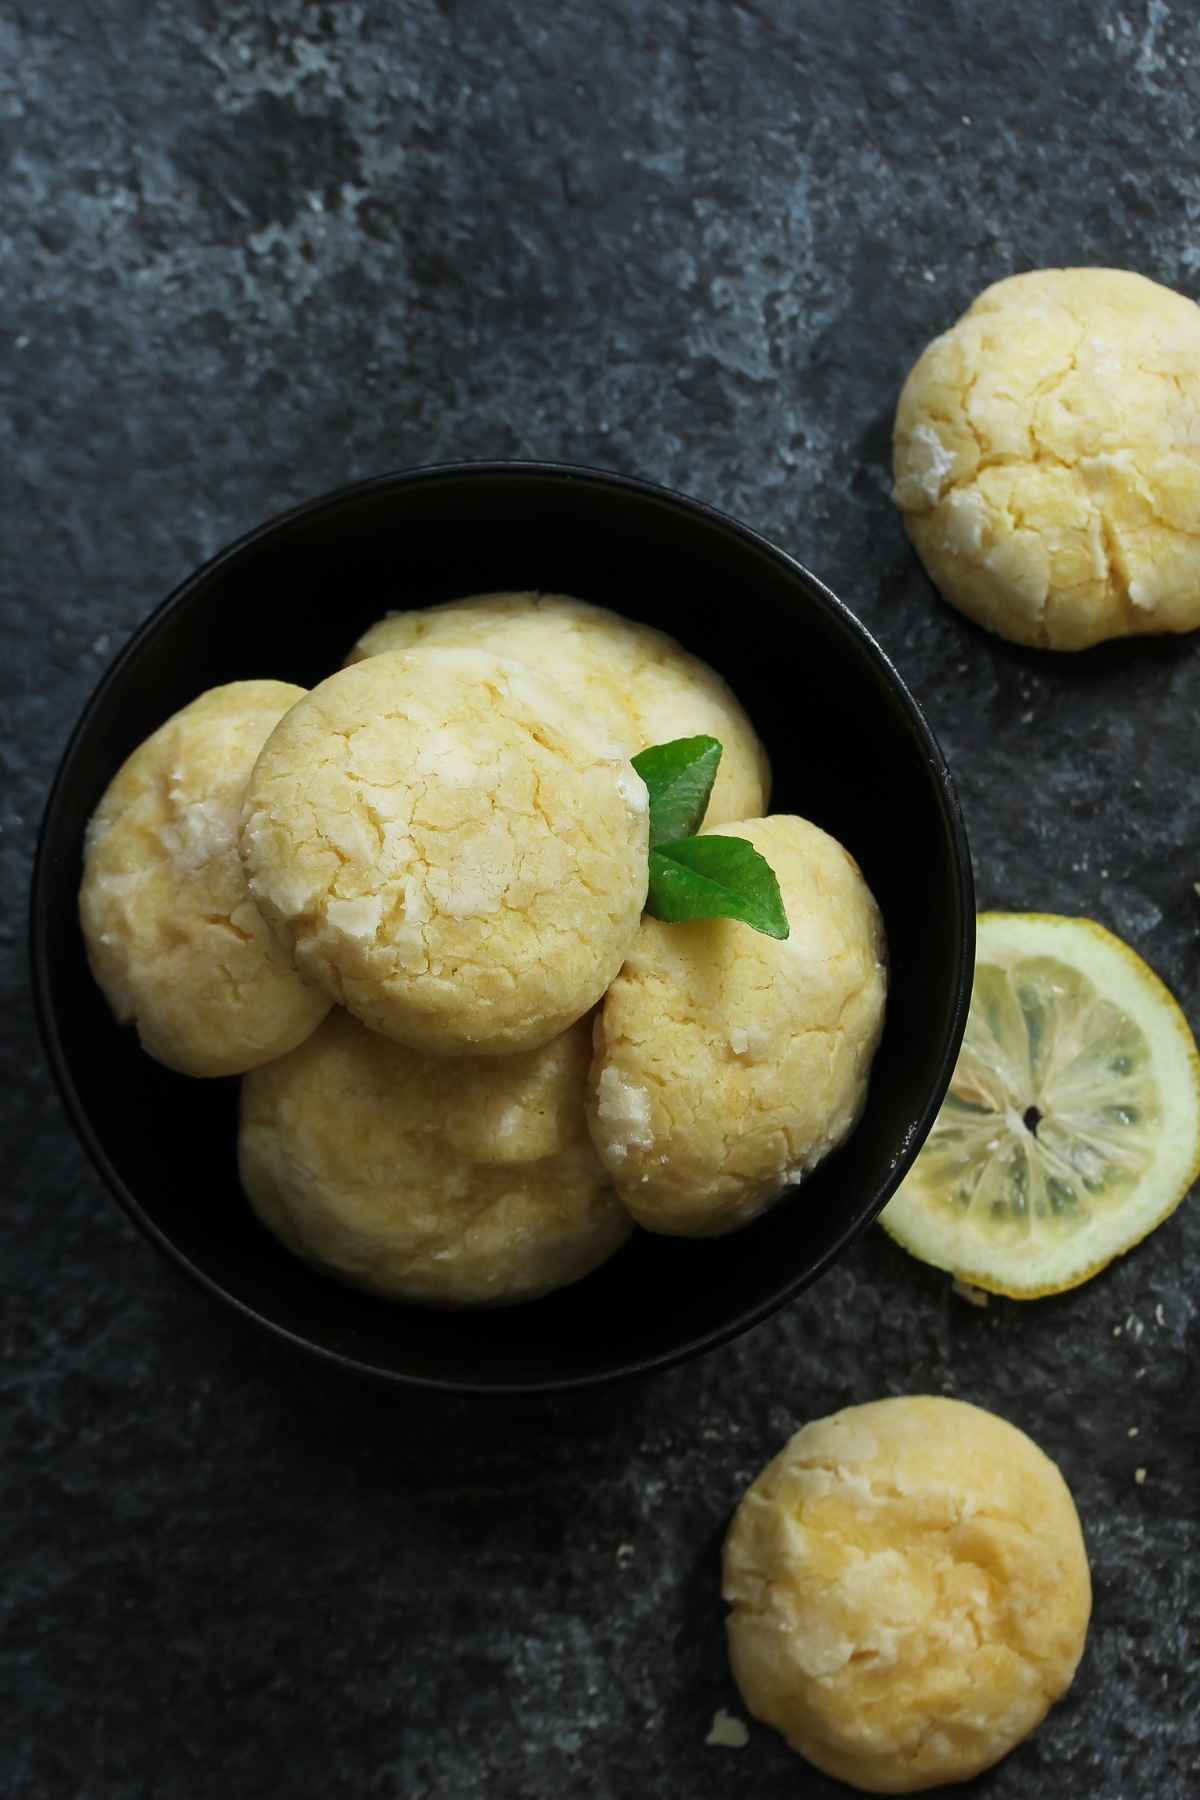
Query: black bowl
{"type": "Point", "coordinates": [850, 750]}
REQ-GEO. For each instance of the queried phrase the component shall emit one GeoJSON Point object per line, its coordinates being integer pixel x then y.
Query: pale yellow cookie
{"type": "Point", "coordinates": [1047, 458]}
{"type": "Point", "coordinates": [641, 685]}
{"type": "Point", "coordinates": [728, 1064]}
{"type": "Point", "coordinates": [445, 849]}
{"type": "Point", "coordinates": [172, 935]}
{"type": "Point", "coordinates": [909, 1591]}
{"type": "Point", "coordinates": [454, 1182]}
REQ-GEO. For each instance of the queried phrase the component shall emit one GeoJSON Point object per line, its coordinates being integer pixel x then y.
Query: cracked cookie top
{"type": "Point", "coordinates": [641, 685]}
{"type": "Point", "coordinates": [909, 1591]}
{"type": "Point", "coordinates": [173, 938]}
{"type": "Point", "coordinates": [1047, 458]}
{"type": "Point", "coordinates": [446, 848]}
{"type": "Point", "coordinates": [728, 1064]}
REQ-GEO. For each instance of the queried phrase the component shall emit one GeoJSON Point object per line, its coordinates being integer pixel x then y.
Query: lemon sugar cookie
{"type": "Point", "coordinates": [173, 938]}
{"type": "Point", "coordinates": [640, 684]}
{"type": "Point", "coordinates": [454, 1182]}
{"type": "Point", "coordinates": [1046, 458]}
{"type": "Point", "coordinates": [909, 1592]}
{"type": "Point", "coordinates": [445, 849]}
{"type": "Point", "coordinates": [728, 1064]}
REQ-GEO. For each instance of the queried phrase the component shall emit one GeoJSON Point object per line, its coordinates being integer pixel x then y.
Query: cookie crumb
{"type": "Point", "coordinates": [974, 1296]}
{"type": "Point", "coordinates": [727, 1732]}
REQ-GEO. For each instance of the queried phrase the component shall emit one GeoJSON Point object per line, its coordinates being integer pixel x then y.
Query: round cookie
{"type": "Point", "coordinates": [909, 1591]}
{"type": "Point", "coordinates": [445, 850]}
{"type": "Point", "coordinates": [728, 1064]}
{"type": "Point", "coordinates": [173, 937]}
{"type": "Point", "coordinates": [454, 1183]}
{"type": "Point", "coordinates": [641, 685]}
{"type": "Point", "coordinates": [1046, 458]}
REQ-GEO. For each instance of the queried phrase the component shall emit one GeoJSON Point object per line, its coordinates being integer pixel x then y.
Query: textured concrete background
{"type": "Point", "coordinates": [253, 250]}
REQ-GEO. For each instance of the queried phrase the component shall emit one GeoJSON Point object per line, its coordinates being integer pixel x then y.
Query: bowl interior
{"type": "Point", "coordinates": [849, 751]}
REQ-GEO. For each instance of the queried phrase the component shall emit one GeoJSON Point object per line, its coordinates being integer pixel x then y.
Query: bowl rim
{"type": "Point", "coordinates": [952, 818]}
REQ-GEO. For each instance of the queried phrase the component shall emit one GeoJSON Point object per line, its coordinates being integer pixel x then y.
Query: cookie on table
{"type": "Point", "coordinates": [909, 1592]}
{"type": "Point", "coordinates": [1045, 458]}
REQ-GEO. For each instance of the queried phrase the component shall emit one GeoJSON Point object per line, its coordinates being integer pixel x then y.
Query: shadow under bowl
{"type": "Point", "coordinates": [849, 748]}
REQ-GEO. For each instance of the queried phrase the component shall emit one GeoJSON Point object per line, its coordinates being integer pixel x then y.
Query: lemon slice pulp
{"type": "Point", "coordinates": [1072, 1123]}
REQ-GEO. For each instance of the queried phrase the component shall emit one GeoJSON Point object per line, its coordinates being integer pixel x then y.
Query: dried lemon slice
{"type": "Point", "coordinates": [1072, 1124]}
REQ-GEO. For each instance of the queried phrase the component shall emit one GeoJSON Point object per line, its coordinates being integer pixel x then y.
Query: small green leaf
{"type": "Point", "coordinates": [715, 878]}
{"type": "Point", "coordinates": [679, 778]}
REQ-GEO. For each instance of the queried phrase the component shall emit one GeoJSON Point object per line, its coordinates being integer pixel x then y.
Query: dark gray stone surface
{"type": "Point", "coordinates": [253, 250]}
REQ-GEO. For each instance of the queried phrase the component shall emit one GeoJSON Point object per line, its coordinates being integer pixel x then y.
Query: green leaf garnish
{"type": "Point", "coordinates": [679, 778]}
{"type": "Point", "coordinates": [715, 878]}
{"type": "Point", "coordinates": [706, 877]}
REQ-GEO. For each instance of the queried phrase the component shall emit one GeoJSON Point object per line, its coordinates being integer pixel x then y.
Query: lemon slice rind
{"type": "Point", "coordinates": [1041, 1265]}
